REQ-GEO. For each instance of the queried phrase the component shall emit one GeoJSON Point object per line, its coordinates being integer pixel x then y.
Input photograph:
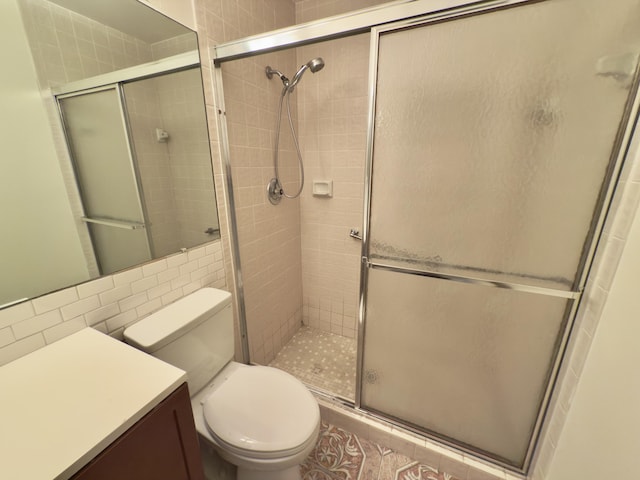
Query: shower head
{"type": "Point", "coordinates": [315, 65]}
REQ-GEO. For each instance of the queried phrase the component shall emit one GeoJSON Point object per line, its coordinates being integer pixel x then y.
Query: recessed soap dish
{"type": "Point", "coordinates": [323, 188]}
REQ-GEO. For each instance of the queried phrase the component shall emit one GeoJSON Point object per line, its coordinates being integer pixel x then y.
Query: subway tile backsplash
{"type": "Point", "coordinates": [110, 303]}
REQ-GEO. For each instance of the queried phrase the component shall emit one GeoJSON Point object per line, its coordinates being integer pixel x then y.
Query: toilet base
{"type": "Point", "coordinates": [291, 473]}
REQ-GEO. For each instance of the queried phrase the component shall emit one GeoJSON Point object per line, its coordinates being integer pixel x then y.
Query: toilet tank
{"type": "Point", "coordinates": [194, 333]}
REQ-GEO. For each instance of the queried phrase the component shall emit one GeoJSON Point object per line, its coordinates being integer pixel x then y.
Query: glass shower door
{"type": "Point", "coordinates": [495, 139]}
{"type": "Point", "coordinates": [97, 134]}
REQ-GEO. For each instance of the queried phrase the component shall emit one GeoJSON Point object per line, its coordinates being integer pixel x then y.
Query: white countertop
{"type": "Point", "coordinates": [62, 405]}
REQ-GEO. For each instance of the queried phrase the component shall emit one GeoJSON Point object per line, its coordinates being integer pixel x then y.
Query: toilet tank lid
{"type": "Point", "coordinates": [162, 327]}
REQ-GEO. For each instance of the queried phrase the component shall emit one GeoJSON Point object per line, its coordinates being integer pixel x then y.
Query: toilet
{"type": "Point", "coordinates": [261, 419]}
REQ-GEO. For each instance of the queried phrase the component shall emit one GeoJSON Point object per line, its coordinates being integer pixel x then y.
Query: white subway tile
{"type": "Point", "coordinates": [80, 307]}
{"type": "Point", "coordinates": [195, 254]}
{"type": "Point", "coordinates": [580, 350]}
{"type": "Point", "coordinates": [127, 277]}
{"type": "Point", "coordinates": [149, 307]}
{"type": "Point", "coordinates": [199, 274]}
{"type": "Point", "coordinates": [21, 348]}
{"type": "Point", "coordinates": [36, 324]}
{"type": "Point", "coordinates": [95, 287]}
{"type": "Point", "coordinates": [190, 288]}
{"type": "Point", "coordinates": [213, 248]}
{"type": "Point", "coordinates": [168, 275]}
{"type": "Point", "coordinates": [64, 329]}
{"type": "Point", "coordinates": [154, 268]}
{"type": "Point", "coordinates": [114, 295]}
{"type": "Point", "coordinates": [609, 264]}
{"type": "Point", "coordinates": [179, 282]}
{"type": "Point", "coordinates": [206, 261]}
{"type": "Point", "coordinates": [55, 300]}
{"type": "Point", "coordinates": [176, 260]}
{"type": "Point", "coordinates": [568, 385]}
{"type": "Point", "coordinates": [6, 336]}
{"type": "Point", "coordinates": [101, 314]}
{"type": "Point", "coordinates": [15, 314]}
{"type": "Point", "coordinates": [188, 267]}
{"type": "Point", "coordinates": [144, 284]}
{"type": "Point", "coordinates": [129, 303]}
{"type": "Point", "coordinates": [121, 320]}
{"type": "Point", "coordinates": [171, 297]}
{"type": "Point", "coordinates": [158, 291]}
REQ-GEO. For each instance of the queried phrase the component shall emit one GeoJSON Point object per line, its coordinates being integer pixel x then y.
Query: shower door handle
{"type": "Point", "coordinates": [110, 222]}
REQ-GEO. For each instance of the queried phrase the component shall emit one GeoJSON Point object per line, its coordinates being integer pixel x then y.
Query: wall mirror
{"type": "Point", "coordinates": [108, 159]}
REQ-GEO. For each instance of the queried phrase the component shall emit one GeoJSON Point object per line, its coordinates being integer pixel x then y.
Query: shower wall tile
{"type": "Point", "coordinates": [108, 304]}
{"type": "Point", "coordinates": [67, 46]}
{"type": "Point", "coordinates": [268, 235]}
{"type": "Point", "coordinates": [616, 229]}
{"type": "Point", "coordinates": [309, 10]}
{"type": "Point", "coordinates": [332, 107]}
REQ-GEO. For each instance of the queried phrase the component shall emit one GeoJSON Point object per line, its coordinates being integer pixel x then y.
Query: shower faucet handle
{"type": "Point", "coordinates": [353, 233]}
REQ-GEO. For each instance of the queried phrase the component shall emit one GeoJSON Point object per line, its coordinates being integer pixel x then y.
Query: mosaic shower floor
{"type": "Point", "coordinates": [341, 455]}
{"type": "Point", "coordinates": [320, 359]}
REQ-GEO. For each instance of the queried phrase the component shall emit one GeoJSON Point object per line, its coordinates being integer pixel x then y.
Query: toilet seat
{"type": "Point", "coordinates": [262, 412]}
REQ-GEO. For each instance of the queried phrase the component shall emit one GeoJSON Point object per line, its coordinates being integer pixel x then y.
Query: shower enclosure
{"type": "Point", "coordinates": [141, 161]}
{"type": "Point", "coordinates": [494, 137]}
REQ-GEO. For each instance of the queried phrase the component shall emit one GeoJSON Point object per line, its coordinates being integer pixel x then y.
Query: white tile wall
{"type": "Point", "coordinates": [333, 124]}
{"type": "Point", "coordinates": [616, 230]}
{"type": "Point", "coordinates": [67, 46]}
{"type": "Point", "coordinates": [111, 303]}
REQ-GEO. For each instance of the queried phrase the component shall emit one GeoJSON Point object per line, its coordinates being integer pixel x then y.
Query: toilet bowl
{"type": "Point", "coordinates": [260, 419]}
{"type": "Point", "coordinates": [278, 426]}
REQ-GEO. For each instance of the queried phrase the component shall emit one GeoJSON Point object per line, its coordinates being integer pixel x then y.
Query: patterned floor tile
{"type": "Point", "coordinates": [337, 455]}
{"type": "Point", "coordinates": [342, 455]}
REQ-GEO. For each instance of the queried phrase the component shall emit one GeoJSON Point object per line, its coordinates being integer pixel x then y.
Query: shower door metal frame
{"type": "Point", "coordinates": [403, 13]}
{"type": "Point", "coordinates": [133, 163]}
{"type": "Point", "coordinates": [621, 147]}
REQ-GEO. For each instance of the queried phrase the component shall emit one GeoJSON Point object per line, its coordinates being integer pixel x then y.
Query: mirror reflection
{"type": "Point", "coordinates": [109, 163]}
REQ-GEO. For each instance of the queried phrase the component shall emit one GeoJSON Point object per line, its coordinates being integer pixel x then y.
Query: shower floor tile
{"type": "Point", "coordinates": [341, 455]}
{"type": "Point", "coordinates": [320, 359]}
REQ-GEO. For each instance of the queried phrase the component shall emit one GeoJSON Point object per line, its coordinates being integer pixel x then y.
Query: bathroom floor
{"type": "Point", "coordinates": [341, 455]}
{"type": "Point", "coordinates": [321, 359]}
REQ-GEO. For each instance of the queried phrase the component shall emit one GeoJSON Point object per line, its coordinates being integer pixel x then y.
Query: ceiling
{"type": "Point", "coordinates": [129, 16]}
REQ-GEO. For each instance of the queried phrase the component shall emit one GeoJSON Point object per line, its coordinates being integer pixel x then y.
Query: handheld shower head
{"type": "Point", "coordinates": [315, 65]}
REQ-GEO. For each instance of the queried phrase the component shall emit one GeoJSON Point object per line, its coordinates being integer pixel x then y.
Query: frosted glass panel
{"type": "Point", "coordinates": [96, 132]}
{"type": "Point", "coordinates": [119, 248]}
{"type": "Point", "coordinates": [494, 134]}
{"type": "Point", "coordinates": [464, 361]}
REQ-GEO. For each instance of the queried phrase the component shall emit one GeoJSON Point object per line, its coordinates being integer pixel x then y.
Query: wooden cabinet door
{"type": "Point", "coordinates": [163, 445]}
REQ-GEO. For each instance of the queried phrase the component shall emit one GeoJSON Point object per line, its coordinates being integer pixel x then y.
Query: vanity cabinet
{"type": "Point", "coordinates": [90, 407]}
{"type": "Point", "coordinates": [162, 445]}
